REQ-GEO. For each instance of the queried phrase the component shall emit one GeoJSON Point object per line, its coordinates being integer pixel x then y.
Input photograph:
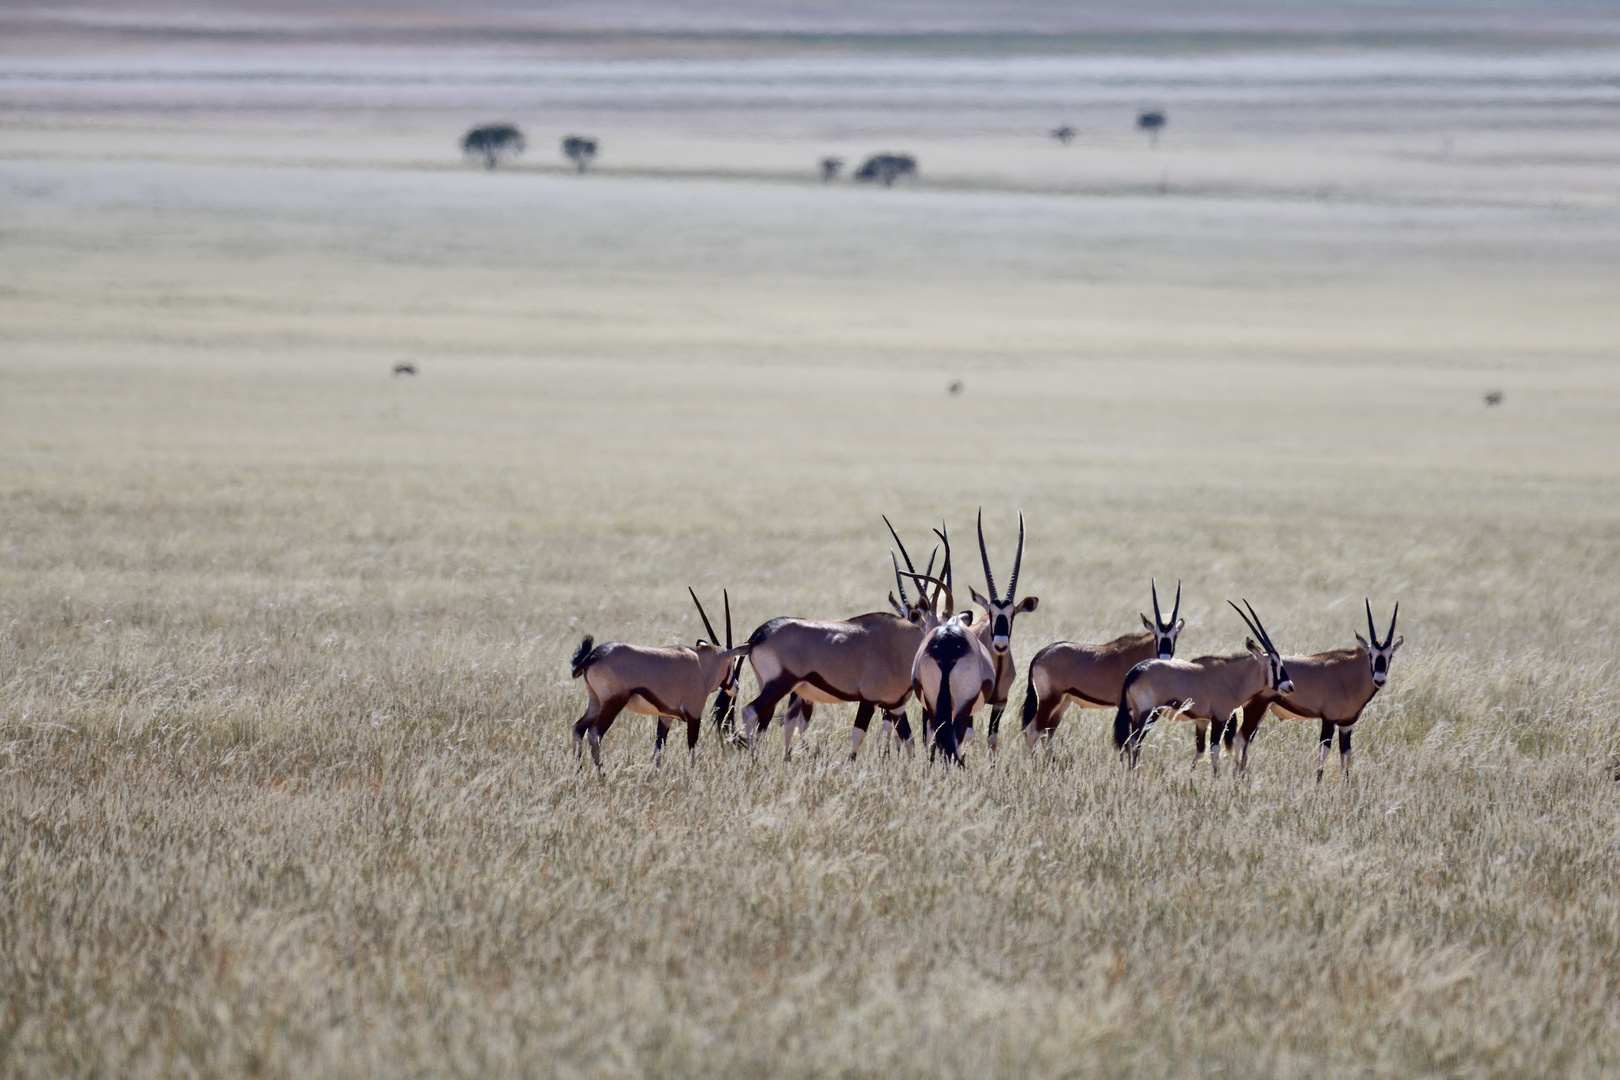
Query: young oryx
{"type": "Point", "coordinates": [995, 629]}
{"type": "Point", "coordinates": [1092, 675]}
{"type": "Point", "coordinates": [670, 683]}
{"type": "Point", "coordinates": [1333, 687]}
{"type": "Point", "coordinates": [1205, 689]}
{"type": "Point", "coordinates": [865, 660]}
{"type": "Point", "coordinates": [952, 674]}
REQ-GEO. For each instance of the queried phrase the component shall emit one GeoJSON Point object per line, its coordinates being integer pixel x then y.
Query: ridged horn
{"type": "Point", "coordinates": [707, 625]}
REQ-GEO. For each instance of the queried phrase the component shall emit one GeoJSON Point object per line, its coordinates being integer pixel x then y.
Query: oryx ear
{"type": "Point", "coordinates": [977, 599]}
{"type": "Point", "coordinates": [1179, 624]}
{"type": "Point", "coordinates": [1147, 622]}
{"type": "Point", "coordinates": [965, 618]}
{"type": "Point", "coordinates": [1397, 644]}
{"type": "Point", "coordinates": [1363, 643]}
{"type": "Point", "coordinates": [1029, 603]}
{"type": "Point", "coordinates": [1248, 643]}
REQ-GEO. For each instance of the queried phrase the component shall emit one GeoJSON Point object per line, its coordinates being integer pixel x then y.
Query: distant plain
{"type": "Point", "coordinates": [283, 637]}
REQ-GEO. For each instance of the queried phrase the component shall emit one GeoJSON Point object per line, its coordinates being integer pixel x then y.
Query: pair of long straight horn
{"type": "Point", "coordinates": [1255, 625]}
{"type": "Point", "coordinates": [1018, 561]}
{"type": "Point", "coordinates": [1372, 631]}
{"type": "Point", "coordinates": [911, 569]}
{"type": "Point", "coordinates": [709, 626]}
{"type": "Point", "coordinates": [1164, 627]}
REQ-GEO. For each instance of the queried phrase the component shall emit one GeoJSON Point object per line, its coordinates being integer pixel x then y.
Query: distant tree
{"type": "Point", "coordinates": [887, 168]}
{"type": "Point", "coordinates": [1151, 121]}
{"type": "Point", "coordinates": [494, 143]}
{"type": "Point", "coordinates": [580, 150]}
{"type": "Point", "coordinates": [1064, 134]}
{"type": "Point", "coordinates": [830, 167]}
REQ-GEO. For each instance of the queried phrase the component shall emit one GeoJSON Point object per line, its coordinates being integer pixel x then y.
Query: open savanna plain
{"type": "Point", "coordinates": [286, 782]}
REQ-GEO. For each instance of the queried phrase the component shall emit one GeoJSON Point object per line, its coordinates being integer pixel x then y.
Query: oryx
{"type": "Point", "coordinates": [671, 683]}
{"type": "Point", "coordinates": [953, 674]}
{"type": "Point", "coordinates": [1208, 688]}
{"type": "Point", "coordinates": [865, 660]}
{"type": "Point", "coordinates": [1066, 672]}
{"type": "Point", "coordinates": [994, 630]}
{"type": "Point", "coordinates": [1333, 687]}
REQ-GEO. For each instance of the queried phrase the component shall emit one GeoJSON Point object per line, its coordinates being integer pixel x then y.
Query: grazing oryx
{"type": "Point", "coordinates": [669, 683]}
{"type": "Point", "coordinates": [1092, 675]}
{"type": "Point", "coordinates": [995, 629]}
{"type": "Point", "coordinates": [1208, 688]}
{"type": "Point", "coordinates": [1333, 687]}
{"type": "Point", "coordinates": [952, 675]}
{"type": "Point", "coordinates": [865, 660]}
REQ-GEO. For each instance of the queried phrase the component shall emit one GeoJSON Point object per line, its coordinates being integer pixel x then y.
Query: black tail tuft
{"type": "Point", "coordinates": [582, 656]}
{"type": "Point", "coordinates": [1031, 702]}
{"type": "Point", "coordinates": [1122, 718]}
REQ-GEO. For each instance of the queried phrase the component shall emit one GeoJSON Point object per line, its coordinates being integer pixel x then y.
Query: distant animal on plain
{"type": "Point", "coordinates": [1151, 121]}
{"type": "Point", "coordinates": [580, 150]}
{"type": "Point", "coordinates": [886, 168]}
{"type": "Point", "coordinates": [1208, 689]}
{"type": "Point", "coordinates": [1333, 687]}
{"type": "Point", "coordinates": [830, 167]}
{"type": "Point", "coordinates": [1493, 398]}
{"type": "Point", "coordinates": [1064, 134]}
{"type": "Point", "coordinates": [955, 387]}
{"type": "Point", "coordinates": [669, 683]}
{"type": "Point", "coordinates": [405, 368]}
{"type": "Point", "coordinates": [493, 143]}
{"type": "Point", "coordinates": [1092, 676]}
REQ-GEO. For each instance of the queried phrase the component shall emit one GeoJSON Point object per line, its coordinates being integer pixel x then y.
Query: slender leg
{"type": "Point", "coordinates": [584, 724]}
{"type": "Point", "coordinates": [992, 734]}
{"type": "Point", "coordinates": [606, 713]}
{"type": "Point", "coordinates": [658, 742]}
{"type": "Point", "coordinates": [902, 728]}
{"type": "Point", "coordinates": [1252, 712]}
{"type": "Point", "coordinates": [694, 725]}
{"type": "Point", "coordinates": [1215, 747]}
{"type": "Point", "coordinates": [757, 713]}
{"type": "Point", "coordinates": [863, 720]}
{"type": "Point", "coordinates": [1327, 747]}
{"type": "Point", "coordinates": [1344, 746]}
{"type": "Point", "coordinates": [1200, 729]}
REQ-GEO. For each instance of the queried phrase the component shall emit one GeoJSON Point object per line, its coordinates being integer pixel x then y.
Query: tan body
{"type": "Point", "coordinates": [865, 660]}
{"type": "Point", "coordinates": [1207, 689]}
{"type": "Point", "coordinates": [1069, 673]}
{"type": "Point", "coordinates": [1333, 687]}
{"type": "Point", "coordinates": [670, 683]}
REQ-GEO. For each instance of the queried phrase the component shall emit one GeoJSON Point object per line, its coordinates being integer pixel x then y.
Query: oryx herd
{"type": "Point", "coordinates": [954, 665]}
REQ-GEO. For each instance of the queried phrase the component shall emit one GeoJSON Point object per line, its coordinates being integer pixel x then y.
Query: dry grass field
{"type": "Point", "coordinates": [285, 778]}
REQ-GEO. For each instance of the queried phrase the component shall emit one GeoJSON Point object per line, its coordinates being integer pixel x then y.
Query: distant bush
{"type": "Point", "coordinates": [493, 143]}
{"type": "Point", "coordinates": [887, 168]}
{"type": "Point", "coordinates": [580, 150]}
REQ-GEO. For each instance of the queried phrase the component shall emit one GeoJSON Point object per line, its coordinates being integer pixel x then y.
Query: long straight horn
{"type": "Point", "coordinates": [1174, 615]}
{"type": "Point", "coordinates": [1389, 637]}
{"type": "Point", "coordinates": [1372, 631]}
{"type": "Point", "coordinates": [922, 590]}
{"type": "Point", "coordinates": [1158, 617]}
{"type": "Point", "coordinates": [899, 582]}
{"type": "Point", "coordinates": [1018, 560]}
{"type": "Point", "coordinates": [1255, 630]}
{"type": "Point", "coordinates": [943, 532]}
{"type": "Point", "coordinates": [707, 625]}
{"type": "Point", "coordinates": [989, 578]}
{"type": "Point", "coordinates": [727, 596]}
{"type": "Point", "coordinates": [1260, 626]}
{"type": "Point", "coordinates": [902, 547]}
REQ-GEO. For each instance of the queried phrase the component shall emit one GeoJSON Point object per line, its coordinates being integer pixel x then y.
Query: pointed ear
{"type": "Point", "coordinates": [977, 599]}
{"type": "Point", "coordinates": [1029, 603]}
{"type": "Point", "coordinates": [1397, 644]}
{"type": "Point", "coordinates": [1363, 643]}
{"type": "Point", "coordinates": [1147, 622]}
{"type": "Point", "coordinates": [1179, 624]}
{"type": "Point", "coordinates": [965, 618]}
{"type": "Point", "coordinates": [1248, 643]}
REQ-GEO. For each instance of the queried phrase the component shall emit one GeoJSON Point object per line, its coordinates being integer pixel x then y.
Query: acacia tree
{"type": "Point", "coordinates": [887, 168]}
{"type": "Point", "coordinates": [493, 143]}
{"type": "Point", "coordinates": [580, 150]}
{"type": "Point", "coordinates": [1151, 121]}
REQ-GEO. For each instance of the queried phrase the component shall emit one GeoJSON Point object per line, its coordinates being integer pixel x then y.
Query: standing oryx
{"type": "Point", "coordinates": [1333, 687]}
{"type": "Point", "coordinates": [952, 674]}
{"type": "Point", "coordinates": [1208, 688]}
{"type": "Point", "coordinates": [995, 629]}
{"type": "Point", "coordinates": [865, 660]}
{"type": "Point", "coordinates": [1092, 675]}
{"type": "Point", "coordinates": [670, 683]}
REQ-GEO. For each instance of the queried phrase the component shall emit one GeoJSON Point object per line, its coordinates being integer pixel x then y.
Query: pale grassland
{"type": "Point", "coordinates": [285, 784]}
